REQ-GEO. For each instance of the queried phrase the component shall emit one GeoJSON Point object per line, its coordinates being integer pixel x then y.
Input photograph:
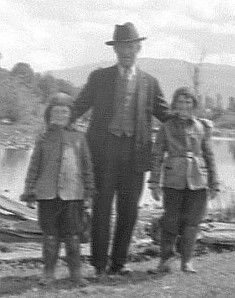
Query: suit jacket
{"type": "Point", "coordinates": [99, 94]}
{"type": "Point", "coordinates": [189, 161]}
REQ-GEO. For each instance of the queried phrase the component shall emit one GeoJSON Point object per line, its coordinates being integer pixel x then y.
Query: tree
{"type": "Point", "coordinates": [209, 102]}
{"type": "Point", "coordinates": [48, 85]}
{"type": "Point", "coordinates": [219, 101]}
{"type": "Point", "coordinates": [24, 73]}
{"type": "Point", "coordinates": [67, 87]}
{"type": "Point", "coordinates": [231, 105]}
{"type": "Point", "coordinates": [196, 78]}
{"type": "Point", "coordinates": [9, 97]}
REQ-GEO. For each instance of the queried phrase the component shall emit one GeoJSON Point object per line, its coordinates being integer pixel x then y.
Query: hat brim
{"type": "Point", "coordinates": [113, 42]}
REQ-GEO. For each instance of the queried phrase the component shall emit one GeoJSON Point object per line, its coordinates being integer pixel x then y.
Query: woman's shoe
{"type": "Point", "coordinates": [80, 282]}
{"type": "Point", "coordinates": [47, 280]}
{"type": "Point", "coordinates": [164, 265]}
{"type": "Point", "coordinates": [188, 268]}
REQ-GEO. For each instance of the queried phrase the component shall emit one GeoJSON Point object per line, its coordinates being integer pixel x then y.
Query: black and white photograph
{"type": "Point", "coordinates": [117, 148]}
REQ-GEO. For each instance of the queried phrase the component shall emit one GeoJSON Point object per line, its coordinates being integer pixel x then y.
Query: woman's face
{"type": "Point", "coordinates": [60, 115]}
{"type": "Point", "coordinates": [184, 106]}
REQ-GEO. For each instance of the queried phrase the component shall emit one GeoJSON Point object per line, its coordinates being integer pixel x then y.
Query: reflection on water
{"type": "Point", "coordinates": [225, 159]}
{"type": "Point", "coordinates": [232, 149]}
{"type": "Point", "coordinates": [13, 166]}
{"type": "Point", "coordinates": [14, 162]}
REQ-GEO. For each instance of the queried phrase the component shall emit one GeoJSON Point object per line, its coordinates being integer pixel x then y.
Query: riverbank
{"type": "Point", "coordinates": [23, 135]}
{"type": "Point", "coordinates": [21, 266]}
{"type": "Point", "coordinates": [215, 279]}
{"type": "Point", "coordinates": [18, 136]}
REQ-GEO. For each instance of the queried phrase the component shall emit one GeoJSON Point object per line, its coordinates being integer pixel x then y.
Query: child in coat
{"type": "Point", "coordinates": [184, 170]}
{"type": "Point", "coordinates": [60, 179]}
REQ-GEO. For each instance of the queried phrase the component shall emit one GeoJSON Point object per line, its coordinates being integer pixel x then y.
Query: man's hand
{"type": "Point", "coordinates": [156, 192]}
{"type": "Point", "coordinates": [31, 205]}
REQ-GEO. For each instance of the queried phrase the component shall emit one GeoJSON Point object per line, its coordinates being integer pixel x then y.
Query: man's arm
{"type": "Point", "coordinates": [87, 171]}
{"type": "Point", "coordinates": [160, 107]}
{"type": "Point", "coordinates": [85, 99]}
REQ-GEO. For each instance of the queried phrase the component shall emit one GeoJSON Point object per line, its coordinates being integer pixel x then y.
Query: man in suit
{"type": "Point", "coordinates": [123, 99]}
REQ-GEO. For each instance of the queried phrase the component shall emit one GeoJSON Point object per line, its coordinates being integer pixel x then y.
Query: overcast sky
{"type": "Point", "coordinates": [56, 34]}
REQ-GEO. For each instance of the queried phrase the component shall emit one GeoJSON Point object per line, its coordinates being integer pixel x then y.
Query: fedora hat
{"type": "Point", "coordinates": [125, 33]}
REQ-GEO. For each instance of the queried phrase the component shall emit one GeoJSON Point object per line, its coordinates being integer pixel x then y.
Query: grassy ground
{"type": "Point", "coordinates": [215, 279]}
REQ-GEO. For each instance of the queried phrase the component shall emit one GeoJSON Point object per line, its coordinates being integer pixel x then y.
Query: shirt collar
{"type": "Point", "coordinates": [131, 71]}
{"type": "Point", "coordinates": [188, 121]}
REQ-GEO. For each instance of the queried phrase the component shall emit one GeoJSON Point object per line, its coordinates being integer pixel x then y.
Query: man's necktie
{"type": "Point", "coordinates": [126, 97]}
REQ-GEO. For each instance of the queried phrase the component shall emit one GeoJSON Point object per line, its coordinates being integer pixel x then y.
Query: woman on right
{"type": "Point", "coordinates": [184, 170]}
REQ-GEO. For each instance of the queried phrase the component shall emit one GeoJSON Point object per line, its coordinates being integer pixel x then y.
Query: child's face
{"type": "Point", "coordinates": [184, 106]}
{"type": "Point", "coordinates": [60, 115]}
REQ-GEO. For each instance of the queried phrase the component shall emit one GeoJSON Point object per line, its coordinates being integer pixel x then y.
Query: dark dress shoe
{"type": "Point", "coordinates": [100, 275]}
{"type": "Point", "coordinates": [120, 270]}
{"type": "Point", "coordinates": [164, 264]}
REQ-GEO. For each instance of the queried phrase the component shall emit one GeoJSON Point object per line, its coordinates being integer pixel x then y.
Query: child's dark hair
{"type": "Point", "coordinates": [183, 91]}
{"type": "Point", "coordinates": [58, 99]}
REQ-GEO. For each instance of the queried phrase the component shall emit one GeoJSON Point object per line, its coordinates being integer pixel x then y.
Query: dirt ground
{"type": "Point", "coordinates": [21, 267]}
{"type": "Point", "coordinates": [216, 278]}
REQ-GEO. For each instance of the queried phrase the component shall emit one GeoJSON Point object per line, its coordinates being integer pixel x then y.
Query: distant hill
{"type": "Point", "coordinates": [171, 74]}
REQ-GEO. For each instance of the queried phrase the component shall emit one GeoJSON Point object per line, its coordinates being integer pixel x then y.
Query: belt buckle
{"type": "Point", "coordinates": [189, 154]}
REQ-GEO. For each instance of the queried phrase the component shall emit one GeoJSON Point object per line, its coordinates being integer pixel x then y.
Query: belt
{"type": "Point", "coordinates": [188, 154]}
{"type": "Point", "coordinates": [121, 135]}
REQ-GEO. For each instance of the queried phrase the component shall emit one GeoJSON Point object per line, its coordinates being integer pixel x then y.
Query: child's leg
{"type": "Point", "coordinates": [71, 225]}
{"type": "Point", "coordinates": [169, 228]}
{"type": "Point", "coordinates": [51, 245]}
{"type": "Point", "coordinates": [47, 211]}
{"type": "Point", "coordinates": [194, 208]}
{"type": "Point", "coordinates": [170, 224]}
{"type": "Point", "coordinates": [72, 245]}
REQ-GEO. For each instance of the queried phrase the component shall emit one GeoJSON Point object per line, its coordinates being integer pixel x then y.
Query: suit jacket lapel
{"type": "Point", "coordinates": [141, 99]}
{"type": "Point", "coordinates": [112, 77]}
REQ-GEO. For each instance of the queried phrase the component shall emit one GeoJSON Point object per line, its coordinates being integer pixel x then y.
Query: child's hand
{"type": "Point", "coordinates": [213, 193]}
{"type": "Point", "coordinates": [156, 193]}
{"type": "Point", "coordinates": [87, 206]}
{"type": "Point", "coordinates": [31, 205]}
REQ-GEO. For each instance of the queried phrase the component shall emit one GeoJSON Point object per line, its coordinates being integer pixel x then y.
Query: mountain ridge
{"type": "Point", "coordinates": [170, 73]}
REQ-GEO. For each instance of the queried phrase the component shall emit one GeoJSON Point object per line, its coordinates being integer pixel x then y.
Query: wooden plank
{"type": "Point", "coordinates": [17, 208]}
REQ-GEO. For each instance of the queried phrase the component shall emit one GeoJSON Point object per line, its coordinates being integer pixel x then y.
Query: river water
{"type": "Point", "coordinates": [14, 163]}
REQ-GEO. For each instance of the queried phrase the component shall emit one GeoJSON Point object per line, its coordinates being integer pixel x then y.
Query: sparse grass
{"type": "Point", "coordinates": [215, 279]}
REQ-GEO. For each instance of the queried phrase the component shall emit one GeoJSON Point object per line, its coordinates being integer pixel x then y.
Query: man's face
{"type": "Point", "coordinates": [127, 53]}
